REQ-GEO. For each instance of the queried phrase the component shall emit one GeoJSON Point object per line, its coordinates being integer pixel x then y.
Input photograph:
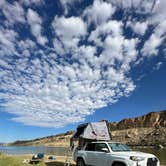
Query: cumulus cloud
{"type": "Point", "coordinates": [83, 68]}
{"type": "Point", "coordinates": [111, 27]}
{"type": "Point", "coordinates": [99, 12]}
{"type": "Point", "coordinates": [69, 29]}
{"type": "Point", "coordinates": [139, 27]}
{"type": "Point", "coordinates": [35, 22]}
{"type": "Point", "coordinates": [151, 46]}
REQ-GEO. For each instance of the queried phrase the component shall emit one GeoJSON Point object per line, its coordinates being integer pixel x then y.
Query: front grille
{"type": "Point", "coordinates": [152, 162]}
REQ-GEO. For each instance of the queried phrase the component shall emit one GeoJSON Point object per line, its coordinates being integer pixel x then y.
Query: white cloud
{"type": "Point", "coordinates": [158, 66]}
{"type": "Point", "coordinates": [7, 41]}
{"type": "Point", "coordinates": [151, 46]}
{"type": "Point", "coordinates": [69, 29]}
{"type": "Point", "coordinates": [35, 22]}
{"type": "Point", "coordinates": [66, 4]}
{"type": "Point", "coordinates": [112, 27]}
{"type": "Point", "coordinates": [4, 64]}
{"type": "Point", "coordinates": [99, 12]}
{"type": "Point", "coordinates": [58, 46]}
{"type": "Point", "coordinates": [130, 53]}
{"type": "Point", "coordinates": [54, 96]}
{"type": "Point", "coordinates": [154, 8]}
{"type": "Point", "coordinates": [67, 1]}
{"type": "Point", "coordinates": [14, 13]}
{"type": "Point", "coordinates": [84, 70]}
{"type": "Point", "coordinates": [139, 27]}
{"type": "Point", "coordinates": [159, 12]}
{"type": "Point", "coordinates": [113, 47]}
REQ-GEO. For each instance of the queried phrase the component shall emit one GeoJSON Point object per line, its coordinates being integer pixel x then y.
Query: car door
{"type": "Point", "coordinates": [90, 152]}
{"type": "Point", "coordinates": [101, 157]}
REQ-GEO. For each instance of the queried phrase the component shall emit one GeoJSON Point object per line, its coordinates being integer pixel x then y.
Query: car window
{"type": "Point", "coordinates": [90, 147]}
{"type": "Point", "coordinates": [118, 147]}
{"type": "Point", "coordinates": [100, 146]}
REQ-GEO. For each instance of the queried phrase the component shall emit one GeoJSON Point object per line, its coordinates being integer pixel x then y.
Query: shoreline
{"type": "Point", "coordinates": [132, 146]}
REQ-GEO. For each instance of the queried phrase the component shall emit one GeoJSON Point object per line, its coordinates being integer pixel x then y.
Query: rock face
{"type": "Point", "coordinates": [141, 136]}
{"type": "Point", "coordinates": [146, 130]}
{"type": "Point", "coordinates": [152, 119]}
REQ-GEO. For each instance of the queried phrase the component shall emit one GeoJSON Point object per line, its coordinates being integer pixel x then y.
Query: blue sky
{"type": "Point", "coordinates": [63, 63]}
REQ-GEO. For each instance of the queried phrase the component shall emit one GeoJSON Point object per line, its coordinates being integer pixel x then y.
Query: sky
{"type": "Point", "coordinates": [67, 62]}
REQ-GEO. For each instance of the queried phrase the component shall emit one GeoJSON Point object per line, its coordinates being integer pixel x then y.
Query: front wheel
{"type": "Point", "coordinates": [80, 162]}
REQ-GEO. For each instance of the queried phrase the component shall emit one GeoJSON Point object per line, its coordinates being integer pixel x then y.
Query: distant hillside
{"type": "Point", "coordinates": [53, 140]}
{"type": "Point", "coordinates": [152, 119]}
{"type": "Point", "coordinates": [149, 129]}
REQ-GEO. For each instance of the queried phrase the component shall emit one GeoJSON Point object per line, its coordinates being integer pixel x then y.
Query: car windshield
{"type": "Point", "coordinates": [118, 147]}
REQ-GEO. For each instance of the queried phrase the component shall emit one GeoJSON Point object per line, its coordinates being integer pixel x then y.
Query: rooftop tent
{"type": "Point", "coordinates": [92, 131]}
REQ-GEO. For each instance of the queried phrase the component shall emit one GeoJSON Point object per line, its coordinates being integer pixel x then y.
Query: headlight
{"type": "Point", "coordinates": [136, 158]}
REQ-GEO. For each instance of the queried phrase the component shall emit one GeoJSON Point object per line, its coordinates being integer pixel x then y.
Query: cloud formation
{"type": "Point", "coordinates": [81, 64]}
{"type": "Point", "coordinates": [36, 28]}
{"type": "Point", "coordinates": [99, 12]}
{"type": "Point", "coordinates": [69, 29]}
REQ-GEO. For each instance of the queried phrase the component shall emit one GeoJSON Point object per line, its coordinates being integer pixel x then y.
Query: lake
{"type": "Point", "coordinates": [19, 150]}
{"type": "Point", "coordinates": [61, 151]}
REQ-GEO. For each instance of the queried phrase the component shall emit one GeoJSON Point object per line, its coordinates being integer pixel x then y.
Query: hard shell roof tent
{"type": "Point", "coordinates": [96, 131]}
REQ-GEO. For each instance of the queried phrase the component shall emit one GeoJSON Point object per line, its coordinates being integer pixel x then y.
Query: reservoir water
{"type": "Point", "coordinates": [62, 151]}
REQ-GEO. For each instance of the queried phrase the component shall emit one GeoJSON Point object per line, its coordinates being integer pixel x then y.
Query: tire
{"type": "Point", "coordinates": [118, 164]}
{"type": "Point", "coordinates": [80, 162]}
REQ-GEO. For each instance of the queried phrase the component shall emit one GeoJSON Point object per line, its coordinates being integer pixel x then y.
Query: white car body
{"type": "Point", "coordinates": [109, 158]}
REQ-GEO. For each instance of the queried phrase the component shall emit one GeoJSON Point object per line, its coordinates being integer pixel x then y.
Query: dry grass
{"type": "Point", "coordinates": [9, 160]}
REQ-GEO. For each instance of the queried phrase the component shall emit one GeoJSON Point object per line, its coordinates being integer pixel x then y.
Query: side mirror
{"type": "Point", "coordinates": [105, 150]}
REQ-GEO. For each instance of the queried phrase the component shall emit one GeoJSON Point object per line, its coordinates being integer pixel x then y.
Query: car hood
{"type": "Point", "coordinates": [133, 153]}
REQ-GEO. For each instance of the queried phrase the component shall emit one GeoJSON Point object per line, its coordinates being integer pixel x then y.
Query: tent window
{"type": "Point", "coordinates": [90, 147]}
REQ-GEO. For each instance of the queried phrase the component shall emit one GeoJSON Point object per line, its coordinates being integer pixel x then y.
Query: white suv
{"type": "Point", "coordinates": [112, 154]}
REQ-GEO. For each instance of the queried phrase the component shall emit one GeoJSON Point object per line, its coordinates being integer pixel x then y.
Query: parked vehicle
{"type": "Point", "coordinates": [102, 153]}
